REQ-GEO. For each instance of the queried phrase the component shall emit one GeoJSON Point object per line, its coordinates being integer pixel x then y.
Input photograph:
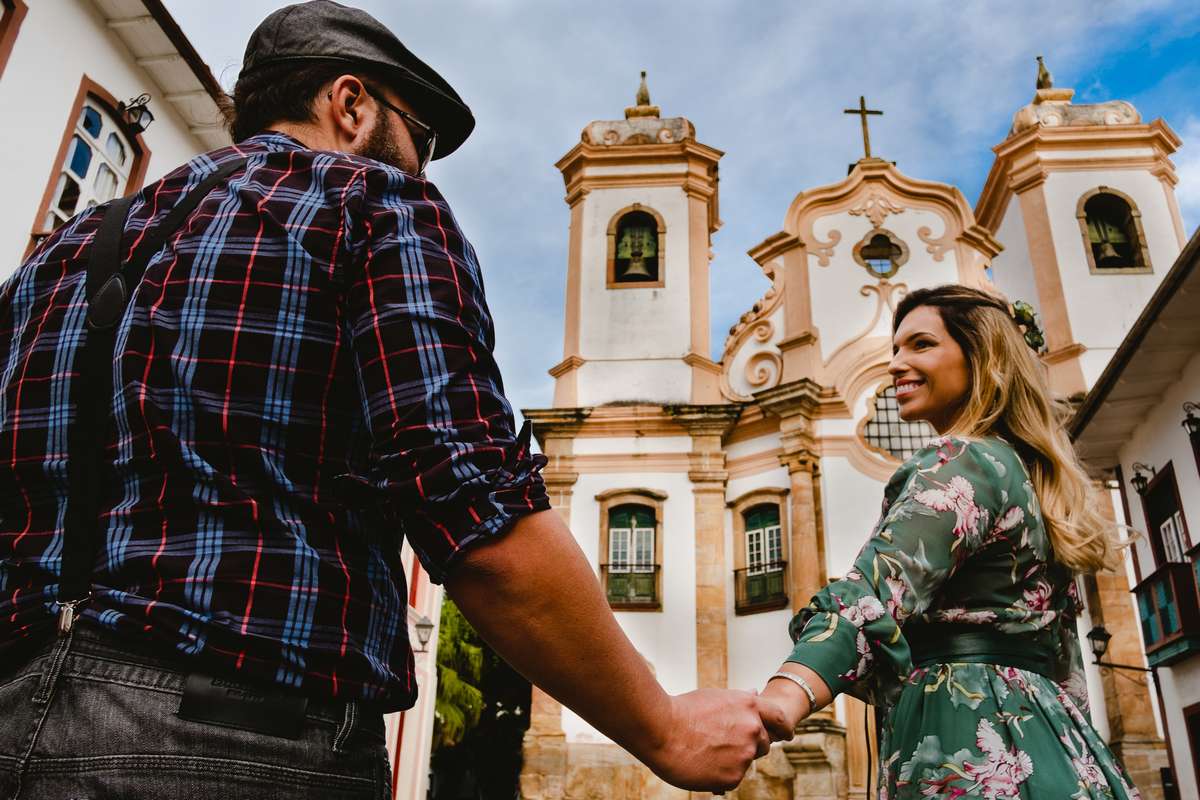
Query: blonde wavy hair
{"type": "Point", "coordinates": [1009, 396]}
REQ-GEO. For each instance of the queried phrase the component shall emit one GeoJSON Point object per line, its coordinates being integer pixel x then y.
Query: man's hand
{"type": "Point", "coordinates": [713, 736]}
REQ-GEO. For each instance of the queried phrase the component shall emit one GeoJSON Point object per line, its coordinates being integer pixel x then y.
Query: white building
{"type": "Point", "coordinates": [1129, 429]}
{"type": "Point", "coordinates": [66, 66]}
{"type": "Point", "coordinates": [714, 498]}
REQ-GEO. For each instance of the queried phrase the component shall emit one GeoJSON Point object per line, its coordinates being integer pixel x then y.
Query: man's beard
{"type": "Point", "coordinates": [381, 144]}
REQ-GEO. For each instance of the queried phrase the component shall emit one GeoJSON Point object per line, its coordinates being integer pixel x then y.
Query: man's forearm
{"type": "Point", "coordinates": [535, 599]}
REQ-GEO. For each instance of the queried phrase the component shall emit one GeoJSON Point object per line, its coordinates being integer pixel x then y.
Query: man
{"type": "Point", "coordinates": [303, 375]}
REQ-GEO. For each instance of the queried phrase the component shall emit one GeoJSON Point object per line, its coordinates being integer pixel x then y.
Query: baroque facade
{"type": "Point", "coordinates": [715, 497]}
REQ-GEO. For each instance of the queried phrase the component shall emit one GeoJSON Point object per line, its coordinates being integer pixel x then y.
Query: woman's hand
{"type": "Point", "coordinates": [791, 700]}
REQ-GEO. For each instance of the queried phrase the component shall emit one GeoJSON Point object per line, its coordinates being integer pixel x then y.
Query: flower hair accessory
{"type": "Point", "coordinates": [1027, 320]}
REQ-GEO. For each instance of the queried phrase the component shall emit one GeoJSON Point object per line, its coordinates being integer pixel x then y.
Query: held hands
{"type": "Point", "coordinates": [712, 737]}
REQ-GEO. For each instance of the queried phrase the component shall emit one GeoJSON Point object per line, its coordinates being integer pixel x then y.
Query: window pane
{"type": "Point", "coordinates": [91, 121]}
{"type": "Point", "coordinates": [80, 157]}
{"type": "Point", "coordinates": [886, 431]}
{"type": "Point", "coordinates": [68, 195]}
{"type": "Point", "coordinates": [106, 184]}
{"type": "Point", "coordinates": [643, 554]}
{"type": "Point", "coordinates": [754, 550]}
{"type": "Point", "coordinates": [774, 545]}
{"type": "Point", "coordinates": [618, 549]}
{"type": "Point", "coordinates": [762, 516]}
{"type": "Point", "coordinates": [115, 149]}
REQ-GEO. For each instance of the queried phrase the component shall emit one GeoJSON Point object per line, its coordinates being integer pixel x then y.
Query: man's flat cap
{"type": "Point", "coordinates": [322, 30]}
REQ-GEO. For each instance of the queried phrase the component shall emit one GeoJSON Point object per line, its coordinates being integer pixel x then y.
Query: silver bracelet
{"type": "Point", "coordinates": [803, 684]}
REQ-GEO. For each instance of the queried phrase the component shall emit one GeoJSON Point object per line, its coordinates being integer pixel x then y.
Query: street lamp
{"type": "Point", "coordinates": [1140, 481]}
{"type": "Point", "coordinates": [424, 630]}
{"type": "Point", "coordinates": [137, 113]}
{"type": "Point", "coordinates": [1098, 637]}
{"type": "Point", "coordinates": [1191, 423]}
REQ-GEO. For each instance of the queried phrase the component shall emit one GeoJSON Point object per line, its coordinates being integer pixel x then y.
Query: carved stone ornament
{"type": "Point", "coordinates": [763, 368]}
{"type": "Point", "coordinates": [935, 247]}
{"type": "Point", "coordinates": [1050, 111]}
{"type": "Point", "coordinates": [824, 250]}
{"type": "Point", "coordinates": [876, 207]}
{"type": "Point", "coordinates": [638, 130]}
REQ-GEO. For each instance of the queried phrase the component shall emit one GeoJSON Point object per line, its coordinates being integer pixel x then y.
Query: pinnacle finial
{"type": "Point", "coordinates": [643, 92]}
{"type": "Point", "coordinates": [1044, 79]}
{"type": "Point", "coordinates": [641, 104]}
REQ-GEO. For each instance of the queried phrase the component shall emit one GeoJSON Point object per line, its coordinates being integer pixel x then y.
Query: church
{"type": "Point", "coordinates": [714, 498]}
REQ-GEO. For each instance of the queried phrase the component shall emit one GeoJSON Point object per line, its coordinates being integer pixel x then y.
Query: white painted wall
{"type": "Point", "coordinates": [37, 89]}
{"type": "Point", "coordinates": [658, 381]}
{"type": "Point", "coordinates": [666, 638]}
{"type": "Point", "coordinates": [1012, 270]}
{"type": "Point", "coordinates": [840, 312]}
{"type": "Point", "coordinates": [1102, 308]}
{"type": "Point", "coordinates": [1160, 439]}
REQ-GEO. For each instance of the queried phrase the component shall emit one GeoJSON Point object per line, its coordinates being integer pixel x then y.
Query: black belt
{"type": "Point", "coordinates": [947, 644]}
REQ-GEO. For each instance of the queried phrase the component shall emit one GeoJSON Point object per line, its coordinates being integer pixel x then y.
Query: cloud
{"type": "Point", "coordinates": [766, 82]}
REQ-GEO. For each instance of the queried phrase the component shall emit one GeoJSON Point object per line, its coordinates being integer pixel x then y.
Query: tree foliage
{"type": "Point", "coordinates": [460, 671]}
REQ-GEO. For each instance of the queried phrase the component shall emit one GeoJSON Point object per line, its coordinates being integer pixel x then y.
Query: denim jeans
{"type": "Point", "coordinates": [88, 717]}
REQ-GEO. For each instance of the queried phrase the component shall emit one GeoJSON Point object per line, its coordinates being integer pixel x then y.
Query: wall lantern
{"type": "Point", "coordinates": [424, 630]}
{"type": "Point", "coordinates": [137, 113]}
{"type": "Point", "coordinates": [1139, 480]}
{"type": "Point", "coordinates": [1098, 637]}
{"type": "Point", "coordinates": [1191, 423]}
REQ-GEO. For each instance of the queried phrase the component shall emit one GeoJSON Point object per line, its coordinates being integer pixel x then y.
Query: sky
{"type": "Point", "coordinates": [765, 81]}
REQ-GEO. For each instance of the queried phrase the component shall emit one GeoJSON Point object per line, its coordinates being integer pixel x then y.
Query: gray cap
{"type": "Point", "coordinates": [322, 30]}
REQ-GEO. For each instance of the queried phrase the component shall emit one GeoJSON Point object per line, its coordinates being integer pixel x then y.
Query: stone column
{"type": "Point", "coordinates": [707, 426]}
{"type": "Point", "coordinates": [544, 748]}
{"type": "Point", "coordinates": [1129, 696]}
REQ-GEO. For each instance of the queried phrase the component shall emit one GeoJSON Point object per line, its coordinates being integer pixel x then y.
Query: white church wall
{"type": "Point", "coordinates": [749, 447]}
{"type": "Point", "coordinates": [642, 322]}
{"type": "Point", "coordinates": [758, 644]}
{"type": "Point", "coordinates": [1101, 308]}
{"type": "Point", "coordinates": [624, 445]}
{"type": "Point", "coordinates": [610, 381]}
{"type": "Point", "coordinates": [665, 638]}
{"type": "Point", "coordinates": [847, 319]}
{"type": "Point", "coordinates": [39, 86]}
{"type": "Point", "coordinates": [850, 502]}
{"type": "Point", "coordinates": [1012, 269]}
{"type": "Point", "coordinates": [1159, 439]}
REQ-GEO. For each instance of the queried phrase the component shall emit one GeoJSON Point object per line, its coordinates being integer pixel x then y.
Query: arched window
{"type": "Point", "coordinates": [631, 548]}
{"type": "Point", "coordinates": [881, 253]}
{"type": "Point", "coordinates": [885, 432]}
{"type": "Point", "coordinates": [98, 160]}
{"type": "Point", "coordinates": [760, 555]}
{"type": "Point", "coordinates": [635, 248]}
{"type": "Point", "coordinates": [1112, 232]}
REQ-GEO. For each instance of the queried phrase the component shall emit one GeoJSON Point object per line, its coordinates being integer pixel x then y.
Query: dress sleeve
{"type": "Point", "coordinates": [445, 454]}
{"type": "Point", "coordinates": [938, 508]}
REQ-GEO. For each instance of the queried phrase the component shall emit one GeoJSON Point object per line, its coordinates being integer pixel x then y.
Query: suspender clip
{"type": "Point", "coordinates": [68, 612]}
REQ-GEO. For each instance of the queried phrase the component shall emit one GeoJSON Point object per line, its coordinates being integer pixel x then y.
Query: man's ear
{"type": "Point", "coordinates": [349, 110]}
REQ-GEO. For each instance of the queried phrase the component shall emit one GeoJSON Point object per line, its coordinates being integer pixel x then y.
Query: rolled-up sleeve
{"type": "Point", "coordinates": [444, 450]}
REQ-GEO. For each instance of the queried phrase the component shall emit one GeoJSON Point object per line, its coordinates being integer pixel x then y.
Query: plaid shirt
{"type": "Point", "coordinates": [305, 377]}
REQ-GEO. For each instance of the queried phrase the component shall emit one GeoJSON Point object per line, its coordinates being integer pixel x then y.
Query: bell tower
{"type": "Point", "coordinates": [643, 199]}
{"type": "Point", "coordinates": [1083, 199]}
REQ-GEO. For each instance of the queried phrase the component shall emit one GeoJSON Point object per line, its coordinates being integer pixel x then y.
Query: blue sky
{"type": "Point", "coordinates": [764, 81]}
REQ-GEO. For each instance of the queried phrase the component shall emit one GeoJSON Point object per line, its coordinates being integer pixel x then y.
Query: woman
{"type": "Point", "coordinates": [958, 618]}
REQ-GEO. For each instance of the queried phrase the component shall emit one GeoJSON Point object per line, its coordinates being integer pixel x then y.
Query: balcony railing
{"type": "Point", "coordinates": [760, 588]}
{"type": "Point", "coordinates": [1170, 613]}
{"type": "Point", "coordinates": [631, 585]}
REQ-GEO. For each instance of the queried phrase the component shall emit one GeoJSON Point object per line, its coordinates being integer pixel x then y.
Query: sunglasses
{"type": "Point", "coordinates": [424, 136]}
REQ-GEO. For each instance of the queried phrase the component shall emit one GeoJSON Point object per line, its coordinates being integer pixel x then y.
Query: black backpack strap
{"type": "Point", "coordinates": [109, 289]}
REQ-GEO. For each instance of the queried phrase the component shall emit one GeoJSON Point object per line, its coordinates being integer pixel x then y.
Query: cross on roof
{"type": "Point", "coordinates": [862, 112]}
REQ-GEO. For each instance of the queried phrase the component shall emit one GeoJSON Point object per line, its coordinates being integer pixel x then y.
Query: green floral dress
{"type": "Point", "coordinates": [961, 541]}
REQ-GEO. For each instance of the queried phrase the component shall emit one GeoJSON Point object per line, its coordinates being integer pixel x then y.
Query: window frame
{"type": "Point", "coordinates": [1134, 213]}
{"type": "Point", "coordinates": [13, 15]}
{"type": "Point", "coordinates": [766, 495]}
{"type": "Point", "coordinates": [613, 222]}
{"type": "Point", "coordinates": [139, 152]}
{"type": "Point", "coordinates": [1158, 549]}
{"type": "Point", "coordinates": [869, 417]}
{"type": "Point", "coordinates": [654, 501]}
{"type": "Point", "coordinates": [900, 261]}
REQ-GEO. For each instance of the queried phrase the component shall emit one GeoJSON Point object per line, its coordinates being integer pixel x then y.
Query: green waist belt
{"type": "Point", "coordinates": [972, 644]}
